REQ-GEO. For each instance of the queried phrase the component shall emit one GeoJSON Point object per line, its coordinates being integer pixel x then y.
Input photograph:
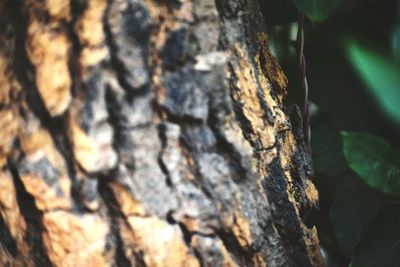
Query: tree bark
{"type": "Point", "coordinates": [148, 133]}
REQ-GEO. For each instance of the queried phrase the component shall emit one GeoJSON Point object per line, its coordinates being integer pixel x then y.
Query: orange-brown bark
{"type": "Point", "coordinates": [148, 133]}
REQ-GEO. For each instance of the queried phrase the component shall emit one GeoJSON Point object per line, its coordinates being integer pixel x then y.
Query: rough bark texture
{"type": "Point", "coordinates": [148, 133]}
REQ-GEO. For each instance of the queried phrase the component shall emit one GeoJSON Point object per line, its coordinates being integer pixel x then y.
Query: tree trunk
{"type": "Point", "coordinates": [148, 133]}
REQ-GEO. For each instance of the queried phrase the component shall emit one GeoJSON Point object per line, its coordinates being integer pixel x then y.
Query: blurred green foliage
{"type": "Point", "coordinates": [373, 159]}
{"type": "Point", "coordinates": [352, 49]}
{"type": "Point", "coordinates": [381, 75]}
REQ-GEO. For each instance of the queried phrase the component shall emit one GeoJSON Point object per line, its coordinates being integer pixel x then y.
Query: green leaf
{"type": "Point", "coordinates": [317, 10]}
{"type": "Point", "coordinates": [327, 151]}
{"type": "Point", "coordinates": [373, 160]}
{"type": "Point", "coordinates": [379, 245]}
{"type": "Point", "coordinates": [381, 75]}
{"type": "Point", "coordinates": [354, 204]}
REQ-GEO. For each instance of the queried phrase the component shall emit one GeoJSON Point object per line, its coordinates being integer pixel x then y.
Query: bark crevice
{"type": "Point", "coordinates": [7, 242]}
{"type": "Point", "coordinates": [25, 73]}
{"type": "Point", "coordinates": [116, 217]}
{"type": "Point", "coordinates": [242, 255]}
{"type": "Point", "coordinates": [285, 214]}
{"type": "Point", "coordinates": [77, 8]}
{"type": "Point", "coordinates": [117, 65]}
{"type": "Point", "coordinates": [33, 218]}
{"type": "Point", "coordinates": [163, 138]}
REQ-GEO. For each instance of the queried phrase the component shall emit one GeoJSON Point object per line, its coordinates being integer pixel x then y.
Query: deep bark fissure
{"type": "Point", "coordinates": [163, 167]}
{"type": "Point", "coordinates": [117, 65]}
{"type": "Point", "coordinates": [77, 8]}
{"type": "Point", "coordinates": [199, 183]}
{"type": "Point", "coordinates": [56, 126]}
{"type": "Point", "coordinates": [187, 237]}
{"type": "Point", "coordinates": [199, 258]}
{"type": "Point", "coordinates": [115, 214]}
{"type": "Point", "coordinates": [284, 214]}
{"type": "Point", "coordinates": [115, 62]}
{"type": "Point", "coordinates": [6, 239]}
{"type": "Point", "coordinates": [25, 71]}
{"type": "Point", "coordinates": [181, 120]}
{"type": "Point", "coordinates": [232, 245]}
{"type": "Point", "coordinates": [195, 170]}
{"type": "Point", "coordinates": [225, 148]}
{"type": "Point", "coordinates": [58, 129]}
{"type": "Point", "coordinates": [33, 218]}
{"type": "Point", "coordinates": [116, 121]}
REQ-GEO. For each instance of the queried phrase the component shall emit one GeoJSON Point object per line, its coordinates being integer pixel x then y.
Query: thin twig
{"type": "Point", "coordinates": [303, 78]}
